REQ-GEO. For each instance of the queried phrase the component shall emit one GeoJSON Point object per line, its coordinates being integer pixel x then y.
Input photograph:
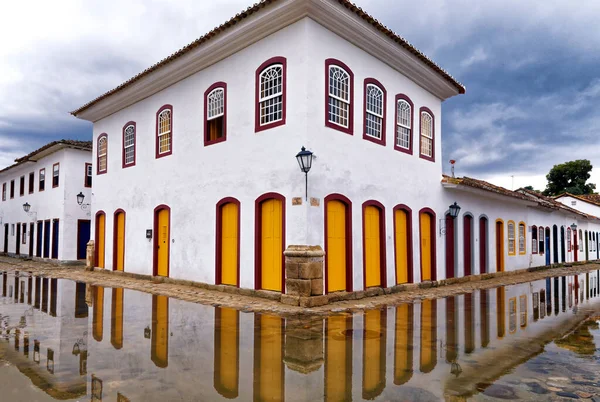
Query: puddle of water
{"type": "Point", "coordinates": [530, 341]}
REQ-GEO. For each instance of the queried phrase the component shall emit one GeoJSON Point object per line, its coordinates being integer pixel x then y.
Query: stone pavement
{"type": "Point", "coordinates": [220, 296]}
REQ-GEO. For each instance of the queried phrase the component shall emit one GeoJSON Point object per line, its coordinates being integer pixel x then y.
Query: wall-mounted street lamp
{"type": "Point", "coordinates": [27, 209]}
{"type": "Point", "coordinates": [453, 211]}
{"type": "Point", "coordinates": [304, 159]}
{"type": "Point", "coordinates": [80, 199]}
{"type": "Point", "coordinates": [573, 227]}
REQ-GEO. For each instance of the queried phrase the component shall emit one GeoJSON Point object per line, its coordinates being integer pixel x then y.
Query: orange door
{"type": "Point", "coordinates": [271, 244]}
{"type": "Point", "coordinates": [372, 247]}
{"type": "Point", "coordinates": [403, 347]}
{"type": "Point", "coordinates": [268, 371]}
{"type": "Point", "coordinates": [160, 331]}
{"type": "Point", "coordinates": [374, 353]}
{"type": "Point", "coordinates": [428, 335]}
{"type": "Point", "coordinates": [98, 311]}
{"type": "Point", "coordinates": [226, 378]}
{"type": "Point", "coordinates": [425, 247]}
{"type": "Point", "coordinates": [120, 242]}
{"type": "Point", "coordinates": [338, 359]}
{"type": "Point", "coordinates": [100, 241]}
{"type": "Point", "coordinates": [163, 227]}
{"type": "Point", "coordinates": [401, 225]}
{"type": "Point", "coordinates": [229, 244]}
{"type": "Point", "coordinates": [336, 246]}
{"type": "Point", "coordinates": [116, 319]}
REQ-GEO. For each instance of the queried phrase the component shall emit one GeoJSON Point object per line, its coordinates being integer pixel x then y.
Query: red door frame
{"type": "Point", "coordinates": [348, 215]}
{"type": "Point", "coordinates": [575, 245]}
{"type": "Point", "coordinates": [155, 241]}
{"type": "Point", "coordinates": [258, 239]}
{"type": "Point", "coordinates": [483, 240]}
{"type": "Point", "coordinates": [467, 246]}
{"type": "Point", "coordinates": [450, 247]}
{"type": "Point", "coordinates": [219, 240]}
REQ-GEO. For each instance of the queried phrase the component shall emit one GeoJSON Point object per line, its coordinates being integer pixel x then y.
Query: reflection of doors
{"type": "Point", "coordinates": [338, 359]}
{"type": "Point", "coordinates": [372, 246]}
{"type": "Point", "coordinates": [83, 237]}
{"type": "Point", "coordinates": [18, 242]}
{"type": "Point", "coordinates": [587, 244]}
{"type": "Point", "coordinates": [31, 237]}
{"type": "Point", "coordinates": [555, 245]}
{"type": "Point", "coordinates": [451, 330]}
{"type": "Point", "coordinates": [98, 313]}
{"type": "Point", "coordinates": [450, 247]}
{"type": "Point", "coordinates": [100, 239]}
{"type": "Point", "coordinates": [271, 245]}
{"type": "Point", "coordinates": [162, 227]}
{"type": "Point", "coordinates": [337, 242]}
{"type": "Point", "coordinates": [116, 318]}
{"type": "Point", "coordinates": [119, 242]}
{"type": "Point", "coordinates": [467, 236]}
{"type": "Point", "coordinates": [469, 324]}
{"type": "Point", "coordinates": [499, 246]}
{"type": "Point", "coordinates": [501, 311]}
{"type": "Point", "coordinates": [403, 347]}
{"type": "Point", "coordinates": [403, 245]}
{"type": "Point", "coordinates": [269, 379]}
{"type": "Point", "coordinates": [40, 239]}
{"type": "Point", "coordinates": [426, 247]}
{"type": "Point", "coordinates": [428, 352]}
{"type": "Point", "coordinates": [374, 344]}
{"type": "Point", "coordinates": [484, 311]}
{"type": "Point", "coordinates": [55, 238]}
{"type": "Point", "coordinates": [575, 245]}
{"type": "Point", "coordinates": [562, 244]}
{"type": "Point", "coordinates": [6, 237]}
{"type": "Point", "coordinates": [159, 352]}
{"type": "Point", "coordinates": [229, 243]}
{"type": "Point", "coordinates": [227, 348]}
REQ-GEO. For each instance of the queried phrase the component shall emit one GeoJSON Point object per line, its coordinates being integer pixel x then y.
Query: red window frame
{"type": "Point", "coordinates": [274, 60]}
{"type": "Point", "coordinates": [31, 182]}
{"type": "Point", "coordinates": [132, 123]}
{"type": "Point", "coordinates": [24, 233]}
{"type": "Point", "coordinates": [3, 191]}
{"type": "Point", "coordinates": [214, 86]}
{"type": "Point", "coordinates": [342, 65]}
{"type": "Point", "coordinates": [373, 81]}
{"type": "Point", "coordinates": [22, 186]}
{"type": "Point", "coordinates": [98, 171]}
{"type": "Point", "coordinates": [12, 189]}
{"type": "Point", "coordinates": [403, 97]}
{"type": "Point", "coordinates": [157, 142]}
{"type": "Point", "coordinates": [432, 157]}
{"type": "Point", "coordinates": [42, 183]}
{"type": "Point", "coordinates": [534, 238]}
{"type": "Point", "coordinates": [85, 176]}
{"type": "Point", "coordinates": [58, 180]}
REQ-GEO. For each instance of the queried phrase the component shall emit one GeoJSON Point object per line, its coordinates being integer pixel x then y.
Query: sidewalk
{"type": "Point", "coordinates": [198, 293]}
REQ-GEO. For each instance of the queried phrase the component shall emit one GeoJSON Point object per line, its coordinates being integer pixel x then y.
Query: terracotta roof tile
{"type": "Point", "coordinates": [84, 145]}
{"type": "Point", "coordinates": [252, 10]}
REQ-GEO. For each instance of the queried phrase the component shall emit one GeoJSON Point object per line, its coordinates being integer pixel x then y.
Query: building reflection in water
{"type": "Point", "coordinates": [227, 349]}
{"type": "Point", "coordinates": [403, 347]}
{"type": "Point", "coordinates": [116, 318]}
{"type": "Point", "coordinates": [428, 352]}
{"type": "Point", "coordinates": [269, 379]}
{"type": "Point", "coordinates": [451, 330]}
{"type": "Point", "coordinates": [469, 324]}
{"type": "Point", "coordinates": [338, 358]}
{"type": "Point", "coordinates": [98, 313]}
{"type": "Point", "coordinates": [159, 350]}
{"type": "Point", "coordinates": [484, 313]}
{"type": "Point", "coordinates": [374, 344]}
{"type": "Point", "coordinates": [501, 311]}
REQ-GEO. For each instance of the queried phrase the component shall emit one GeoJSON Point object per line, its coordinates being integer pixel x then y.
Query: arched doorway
{"type": "Point", "coordinates": [119, 241]}
{"type": "Point", "coordinates": [547, 240]}
{"type": "Point", "coordinates": [270, 242]}
{"type": "Point", "coordinates": [228, 242]}
{"type": "Point", "coordinates": [555, 243]}
{"type": "Point", "coordinates": [468, 244]}
{"type": "Point", "coordinates": [162, 240]}
{"type": "Point", "coordinates": [483, 245]}
{"type": "Point", "coordinates": [499, 245]}
{"type": "Point", "coordinates": [450, 247]}
{"type": "Point", "coordinates": [587, 246]}
{"type": "Point", "coordinates": [338, 243]}
{"type": "Point", "coordinates": [403, 244]}
{"type": "Point", "coordinates": [575, 246]}
{"type": "Point", "coordinates": [374, 244]}
{"type": "Point", "coordinates": [562, 244]}
{"type": "Point", "coordinates": [100, 238]}
{"type": "Point", "coordinates": [427, 234]}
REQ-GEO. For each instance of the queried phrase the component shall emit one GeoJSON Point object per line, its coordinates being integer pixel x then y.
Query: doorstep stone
{"type": "Point", "coordinates": [314, 301]}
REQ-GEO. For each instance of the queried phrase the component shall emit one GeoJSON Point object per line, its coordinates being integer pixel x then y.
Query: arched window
{"type": "Point", "coordinates": [374, 111]}
{"type": "Point", "coordinates": [581, 241]}
{"type": "Point", "coordinates": [339, 82]}
{"type": "Point", "coordinates": [522, 237]}
{"type": "Point", "coordinates": [541, 238]}
{"type": "Point", "coordinates": [511, 238]}
{"type": "Point", "coordinates": [270, 88]}
{"type": "Point", "coordinates": [569, 239]}
{"type": "Point", "coordinates": [129, 144]}
{"type": "Point", "coordinates": [404, 124]}
{"type": "Point", "coordinates": [164, 131]}
{"type": "Point", "coordinates": [215, 111]}
{"type": "Point", "coordinates": [427, 135]}
{"type": "Point", "coordinates": [534, 240]}
{"type": "Point", "coordinates": [102, 164]}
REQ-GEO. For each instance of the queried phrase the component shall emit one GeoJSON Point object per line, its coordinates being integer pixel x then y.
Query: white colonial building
{"type": "Point", "coordinates": [196, 175]}
{"type": "Point", "coordinates": [38, 209]}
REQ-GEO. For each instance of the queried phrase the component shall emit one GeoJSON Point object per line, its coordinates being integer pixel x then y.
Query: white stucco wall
{"type": "Point", "coordinates": [579, 205]}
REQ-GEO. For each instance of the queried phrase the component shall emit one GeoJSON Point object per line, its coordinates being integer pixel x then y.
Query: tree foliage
{"type": "Point", "coordinates": [570, 177]}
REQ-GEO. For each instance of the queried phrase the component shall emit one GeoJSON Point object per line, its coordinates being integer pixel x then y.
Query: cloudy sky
{"type": "Point", "coordinates": [532, 71]}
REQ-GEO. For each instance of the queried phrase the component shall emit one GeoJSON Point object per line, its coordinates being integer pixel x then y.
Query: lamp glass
{"type": "Point", "coordinates": [26, 207]}
{"type": "Point", "coordinates": [454, 210]}
{"type": "Point", "coordinates": [80, 198]}
{"type": "Point", "coordinates": [304, 158]}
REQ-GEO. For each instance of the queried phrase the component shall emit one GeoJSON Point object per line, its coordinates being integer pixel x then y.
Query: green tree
{"type": "Point", "coordinates": [570, 177]}
{"type": "Point", "coordinates": [530, 188]}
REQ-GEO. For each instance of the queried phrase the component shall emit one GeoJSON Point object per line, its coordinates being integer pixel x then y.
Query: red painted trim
{"type": "Point", "coordinates": [382, 243]}
{"type": "Point", "coordinates": [214, 86]}
{"type": "Point", "coordinates": [568, 239]}
{"type": "Point", "coordinates": [433, 257]}
{"type": "Point", "coordinates": [432, 158]}
{"type": "Point", "coordinates": [40, 189]}
{"type": "Point", "coordinates": [257, 126]}
{"type": "Point", "coordinates": [4, 191]}
{"type": "Point", "coordinates": [258, 239]}
{"type": "Point", "coordinates": [350, 128]}
{"type": "Point", "coordinates": [31, 183]}
{"type": "Point", "coordinates": [79, 234]}
{"type": "Point", "coordinates": [85, 175]}
{"type": "Point", "coordinates": [155, 240]}
{"type": "Point", "coordinates": [219, 240]}
{"type": "Point", "coordinates": [373, 81]}
{"type": "Point", "coordinates": [483, 244]}
{"type": "Point", "coordinates": [22, 185]}
{"type": "Point", "coordinates": [468, 244]}
{"type": "Point", "coordinates": [132, 123]}
{"type": "Point", "coordinates": [409, 240]}
{"type": "Point", "coordinates": [162, 109]}
{"type": "Point", "coordinates": [96, 235]}
{"type": "Point", "coordinates": [348, 216]}
{"type": "Point", "coordinates": [534, 229]}
{"type": "Point", "coordinates": [12, 189]}
{"type": "Point", "coordinates": [412, 124]}
{"type": "Point", "coordinates": [450, 246]}
{"type": "Point", "coordinates": [115, 240]}
{"type": "Point", "coordinates": [56, 164]}
{"type": "Point", "coordinates": [98, 171]}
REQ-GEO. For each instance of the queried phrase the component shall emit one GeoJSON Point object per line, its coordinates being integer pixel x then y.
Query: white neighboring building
{"type": "Point", "coordinates": [48, 180]}
{"type": "Point", "coordinates": [589, 203]}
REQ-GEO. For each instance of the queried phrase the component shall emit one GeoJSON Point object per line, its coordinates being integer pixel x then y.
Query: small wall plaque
{"type": "Point", "coordinates": [297, 201]}
{"type": "Point", "coordinates": [148, 233]}
{"type": "Point", "coordinates": [315, 202]}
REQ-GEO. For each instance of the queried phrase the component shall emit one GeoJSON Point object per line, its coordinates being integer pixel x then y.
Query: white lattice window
{"type": "Point", "coordinates": [580, 240]}
{"type": "Point", "coordinates": [534, 240]}
{"type": "Point", "coordinates": [374, 111]}
{"type": "Point", "coordinates": [541, 248]}
{"type": "Point", "coordinates": [569, 239]}
{"type": "Point", "coordinates": [271, 94]}
{"type": "Point", "coordinates": [339, 96]}
{"type": "Point", "coordinates": [129, 144]}
{"type": "Point", "coordinates": [215, 113]}
{"type": "Point", "coordinates": [403, 124]}
{"type": "Point", "coordinates": [427, 135]}
{"type": "Point", "coordinates": [164, 132]}
{"type": "Point", "coordinates": [521, 238]}
{"type": "Point", "coordinates": [102, 150]}
{"type": "Point", "coordinates": [511, 238]}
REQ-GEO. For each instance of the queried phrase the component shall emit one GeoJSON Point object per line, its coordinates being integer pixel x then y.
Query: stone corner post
{"type": "Point", "coordinates": [89, 255]}
{"type": "Point", "coordinates": [304, 276]}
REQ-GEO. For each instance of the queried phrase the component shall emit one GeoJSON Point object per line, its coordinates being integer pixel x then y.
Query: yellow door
{"type": "Point", "coordinates": [160, 331]}
{"type": "Point", "coordinates": [116, 328]}
{"type": "Point", "coordinates": [338, 360]}
{"type": "Point", "coordinates": [336, 246]}
{"type": "Point", "coordinates": [101, 222]}
{"type": "Point", "coordinates": [226, 352]}
{"type": "Point", "coordinates": [229, 244]}
{"type": "Point", "coordinates": [403, 354]}
{"type": "Point", "coordinates": [270, 365]}
{"type": "Point", "coordinates": [428, 336]}
{"type": "Point", "coordinates": [372, 247]}
{"type": "Point", "coordinates": [374, 354]}
{"type": "Point", "coordinates": [98, 311]}
{"type": "Point", "coordinates": [401, 222]}
{"type": "Point", "coordinates": [271, 247]}
{"type": "Point", "coordinates": [162, 259]}
{"type": "Point", "coordinates": [120, 246]}
{"type": "Point", "coordinates": [426, 247]}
